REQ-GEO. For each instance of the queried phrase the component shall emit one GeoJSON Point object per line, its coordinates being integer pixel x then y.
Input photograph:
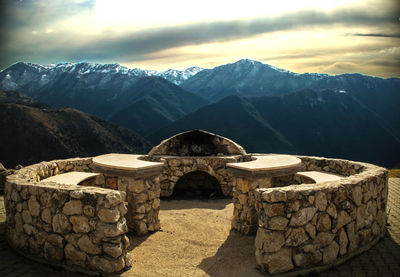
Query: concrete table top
{"type": "Point", "coordinates": [263, 163]}
{"type": "Point", "coordinates": [266, 166]}
{"type": "Point", "coordinates": [70, 178]}
{"type": "Point", "coordinates": [124, 162]}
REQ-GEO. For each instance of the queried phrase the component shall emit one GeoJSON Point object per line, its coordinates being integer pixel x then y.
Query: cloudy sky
{"type": "Point", "coordinates": [327, 36]}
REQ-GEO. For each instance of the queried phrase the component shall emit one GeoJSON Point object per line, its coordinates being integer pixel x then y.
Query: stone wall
{"type": "Point", "coordinates": [176, 166]}
{"type": "Point", "coordinates": [143, 197]}
{"type": "Point", "coordinates": [76, 227]}
{"type": "Point", "coordinates": [300, 227]}
{"type": "Point", "coordinates": [314, 226]}
{"type": "Point", "coordinates": [245, 219]}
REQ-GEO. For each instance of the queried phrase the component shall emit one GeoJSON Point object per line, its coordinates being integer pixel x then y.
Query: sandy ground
{"type": "Point", "coordinates": [195, 240]}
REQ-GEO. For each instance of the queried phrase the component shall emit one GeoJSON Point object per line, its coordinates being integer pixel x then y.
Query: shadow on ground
{"type": "Point", "coordinates": [235, 257]}
{"type": "Point", "coordinates": [179, 204]}
{"type": "Point", "coordinates": [383, 259]}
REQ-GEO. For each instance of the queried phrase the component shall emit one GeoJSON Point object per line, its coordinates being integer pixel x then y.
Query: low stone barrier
{"type": "Point", "coordinates": [311, 227]}
{"type": "Point", "coordinates": [76, 227]}
{"type": "Point", "coordinates": [300, 227]}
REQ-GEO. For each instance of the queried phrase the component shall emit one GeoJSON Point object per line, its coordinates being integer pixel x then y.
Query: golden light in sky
{"type": "Point", "coordinates": [141, 14]}
{"type": "Point", "coordinates": [303, 36]}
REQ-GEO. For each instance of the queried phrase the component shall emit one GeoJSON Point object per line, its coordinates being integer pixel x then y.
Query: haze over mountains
{"type": "Point", "coordinates": [264, 108]}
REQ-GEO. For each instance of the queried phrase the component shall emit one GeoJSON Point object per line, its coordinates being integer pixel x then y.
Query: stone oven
{"type": "Point", "coordinates": [196, 153]}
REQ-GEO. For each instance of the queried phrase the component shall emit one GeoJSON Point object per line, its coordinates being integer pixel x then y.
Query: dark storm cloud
{"type": "Point", "coordinates": [136, 45]}
{"type": "Point", "coordinates": [140, 43]}
{"type": "Point", "coordinates": [16, 14]}
{"type": "Point", "coordinates": [378, 35]}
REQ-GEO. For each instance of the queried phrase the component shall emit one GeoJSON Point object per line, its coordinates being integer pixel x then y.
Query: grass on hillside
{"type": "Point", "coordinates": [394, 173]}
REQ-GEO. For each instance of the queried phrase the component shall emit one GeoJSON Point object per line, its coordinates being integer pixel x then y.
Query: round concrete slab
{"type": "Point", "coordinates": [268, 162]}
{"type": "Point", "coordinates": [124, 162]}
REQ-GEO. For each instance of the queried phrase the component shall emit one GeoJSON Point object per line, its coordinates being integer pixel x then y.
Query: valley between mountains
{"type": "Point", "coordinates": [83, 109]}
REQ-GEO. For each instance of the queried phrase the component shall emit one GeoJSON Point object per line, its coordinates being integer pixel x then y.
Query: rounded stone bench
{"type": "Point", "coordinates": [301, 227]}
{"type": "Point", "coordinates": [311, 227]}
{"type": "Point", "coordinates": [80, 228]}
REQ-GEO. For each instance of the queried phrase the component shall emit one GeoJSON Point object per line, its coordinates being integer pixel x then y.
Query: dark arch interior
{"type": "Point", "coordinates": [197, 184]}
{"type": "Point", "coordinates": [197, 143]}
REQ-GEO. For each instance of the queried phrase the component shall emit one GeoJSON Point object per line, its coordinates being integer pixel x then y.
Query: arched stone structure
{"type": "Point", "coordinates": [196, 150]}
{"type": "Point", "coordinates": [197, 143]}
{"type": "Point", "coordinates": [197, 184]}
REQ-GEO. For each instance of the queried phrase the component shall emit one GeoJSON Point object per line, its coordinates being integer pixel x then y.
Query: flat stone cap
{"type": "Point", "coordinates": [70, 178]}
{"type": "Point", "coordinates": [319, 176]}
{"type": "Point", "coordinates": [267, 162]}
{"type": "Point", "coordinates": [124, 162]}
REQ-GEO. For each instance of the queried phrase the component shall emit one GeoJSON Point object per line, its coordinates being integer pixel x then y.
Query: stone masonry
{"type": "Point", "coordinates": [301, 226]}
{"type": "Point", "coordinates": [175, 167]}
{"type": "Point", "coordinates": [143, 197]}
{"type": "Point", "coordinates": [76, 227]}
{"type": "Point", "coordinates": [314, 226]}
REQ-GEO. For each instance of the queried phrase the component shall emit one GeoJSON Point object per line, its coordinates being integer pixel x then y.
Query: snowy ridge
{"type": "Point", "coordinates": [34, 76]}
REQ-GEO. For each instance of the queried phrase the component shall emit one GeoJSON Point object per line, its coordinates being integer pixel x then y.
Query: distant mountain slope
{"type": "Point", "coordinates": [16, 97]}
{"type": "Point", "coordinates": [325, 123]}
{"type": "Point", "coordinates": [328, 123]}
{"type": "Point", "coordinates": [234, 118]}
{"type": "Point", "coordinates": [252, 78]}
{"type": "Point", "coordinates": [154, 104]}
{"type": "Point", "coordinates": [111, 92]}
{"type": "Point", "coordinates": [29, 135]}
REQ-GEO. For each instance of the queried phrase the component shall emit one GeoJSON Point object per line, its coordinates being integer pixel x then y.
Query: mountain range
{"type": "Point", "coordinates": [30, 133]}
{"type": "Point", "coordinates": [264, 108]}
{"type": "Point", "coordinates": [133, 98]}
{"type": "Point", "coordinates": [247, 78]}
{"type": "Point", "coordinates": [324, 123]}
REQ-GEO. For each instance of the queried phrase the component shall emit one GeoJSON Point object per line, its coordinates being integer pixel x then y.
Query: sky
{"type": "Point", "coordinates": [333, 37]}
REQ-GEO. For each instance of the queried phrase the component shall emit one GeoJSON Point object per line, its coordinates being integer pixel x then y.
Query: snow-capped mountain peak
{"type": "Point", "coordinates": [179, 76]}
{"type": "Point", "coordinates": [31, 77]}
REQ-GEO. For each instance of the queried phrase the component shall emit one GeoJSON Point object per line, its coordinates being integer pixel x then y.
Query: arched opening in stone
{"type": "Point", "coordinates": [197, 184]}
{"type": "Point", "coordinates": [197, 143]}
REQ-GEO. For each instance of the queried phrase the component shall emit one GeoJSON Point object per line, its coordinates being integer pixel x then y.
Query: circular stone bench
{"type": "Point", "coordinates": [80, 228]}
{"type": "Point", "coordinates": [311, 227]}
{"type": "Point", "coordinates": [301, 227]}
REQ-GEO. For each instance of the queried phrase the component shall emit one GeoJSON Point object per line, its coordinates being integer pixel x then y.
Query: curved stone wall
{"type": "Point", "coordinates": [311, 227]}
{"type": "Point", "coordinates": [76, 227]}
{"type": "Point", "coordinates": [301, 227]}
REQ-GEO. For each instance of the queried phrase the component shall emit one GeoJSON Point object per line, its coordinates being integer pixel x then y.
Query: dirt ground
{"type": "Point", "coordinates": [195, 240]}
